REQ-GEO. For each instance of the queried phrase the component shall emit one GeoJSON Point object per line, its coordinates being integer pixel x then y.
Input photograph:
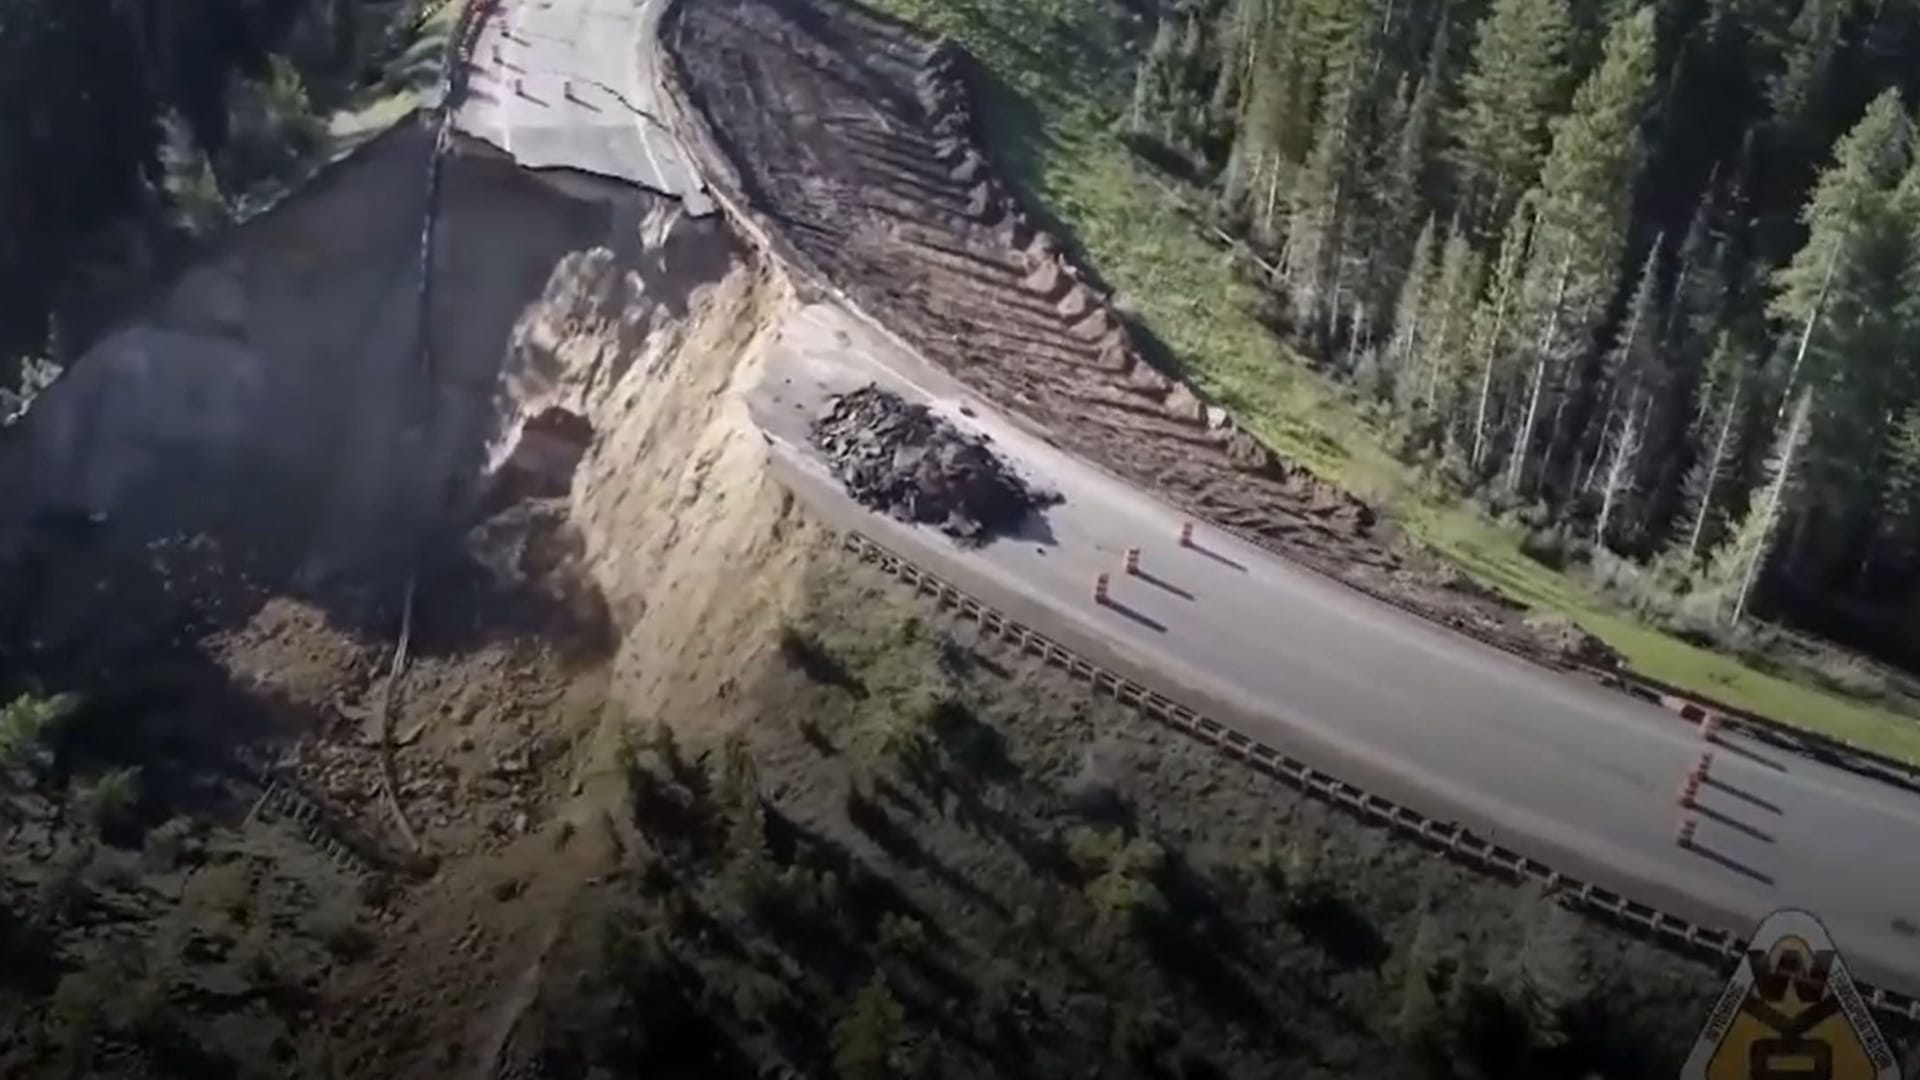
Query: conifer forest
{"type": "Point", "coordinates": [1651, 271]}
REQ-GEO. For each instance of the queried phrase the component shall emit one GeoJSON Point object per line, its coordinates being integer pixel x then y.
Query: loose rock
{"type": "Point", "coordinates": [900, 458]}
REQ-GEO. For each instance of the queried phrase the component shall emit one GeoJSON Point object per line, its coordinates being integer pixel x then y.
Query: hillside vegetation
{"type": "Point", "coordinates": [1600, 303]}
{"type": "Point", "coordinates": [127, 129]}
{"type": "Point", "coordinates": [924, 854]}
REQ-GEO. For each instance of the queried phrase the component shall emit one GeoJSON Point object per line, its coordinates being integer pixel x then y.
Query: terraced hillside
{"type": "Point", "coordinates": [854, 139]}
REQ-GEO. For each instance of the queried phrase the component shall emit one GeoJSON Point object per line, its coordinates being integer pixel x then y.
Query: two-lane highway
{"type": "Point", "coordinates": [572, 84]}
{"type": "Point", "coordinates": [1551, 764]}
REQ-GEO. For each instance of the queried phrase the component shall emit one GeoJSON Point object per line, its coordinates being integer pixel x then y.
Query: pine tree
{"type": "Point", "coordinates": [1586, 190]}
{"type": "Point", "coordinates": [1840, 215]}
{"type": "Point", "coordinates": [1404, 173]}
{"type": "Point", "coordinates": [1154, 85]}
{"type": "Point", "coordinates": [1626, 364]}
{"type": "Point", "coordinates": [1737, 563]}
{"type": "Point", "coordinates": [1407, 168]}
{"type": "Point", "coordinates": [1696, 307]}
{"type": "Point", "coordinates": [1494, 323]}
{"type": "Point", "coordinates": [1275, 127]}
{"type": "Point", "coordinates": [1324, 186]}
{"type": "Point", "coordinates": [1245, 28]}
{"type": "Point", "coordinates": [1897, 513]}
{"type": "Point", "coordinates": [1514, 81]}
{"type": "Point", "coordinates": [1587, 182]}
{"type": "Point", "coordinates": [866, 1040]}
{"type": "Point", "coordinates": [1167, 99]}
{"type": "Point", "coordinates": [1900, 491]}
{"type": "Point", "coordinates": [1618, 479]}
{"type": "Point", "coordinates": [1450, 315]}
{"type": "Point", "coordinates": [1797, 89]}
{"type": "Point", "coordinates": [1849, 292]}
{"type": "Point", "coordinates": [1716, 447]}
{"type": "Point", "coordinates": [1403, 349]}
{"type": "Point", "coordinates": [1543, 354]}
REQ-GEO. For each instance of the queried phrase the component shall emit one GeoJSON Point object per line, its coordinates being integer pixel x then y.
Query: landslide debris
{"type": "Point", "coordinates": [898, 457]}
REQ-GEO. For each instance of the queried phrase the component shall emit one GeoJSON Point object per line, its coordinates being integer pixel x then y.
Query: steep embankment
{"type": "Point", "coordinates": [220, 513]}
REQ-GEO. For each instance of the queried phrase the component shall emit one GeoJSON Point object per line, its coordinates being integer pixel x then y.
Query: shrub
{"type": "Point", "coordinates": [806, 653]}
{"type": "Point", "coordinates": [753, 995]}
{"type": "Point", "coordinates": [64, 892]}
{"type": "Point", "coordinates": [75, 1015]}
{"type": "Point", "coordinates": [187, 176]}
{"type": "Point", "coordinates": [175, 839]}
{"type": "Point", "coordinates": [35, 374]}
{"type": "Point", "coordinates": [1852, 675]}
{"type": "Point", "coordinates": [271, 128]}
{"type": "Point", "coordinates": [1121, 874]}
{"type": "Point", "coordinates": [29, 728]}
{"type": "Point", "coordinates": [109, 803]}
{"type": "Point", "coordinates": [1550, 976]}
{"type": "Point", "coordinates": [1548, 547]}
{"type": "Point", "coordinates": [225, 888]}
{"type": "Point", "coordinates": [1291, 872]}
{"type": "Point", "coordinates": [902, 935]}
{"type": "Point", "coordinates": [349, 941]}
{"type": "Point", "coordinates": [868, 1038]}
{"type": "Point", "coordinates": [898, 735]}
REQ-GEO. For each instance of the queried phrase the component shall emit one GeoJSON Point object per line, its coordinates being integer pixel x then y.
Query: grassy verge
{"type": "Point", "coordinates": [1492, 555]}
{"type": "Point", "coordinates": [1062, 84]}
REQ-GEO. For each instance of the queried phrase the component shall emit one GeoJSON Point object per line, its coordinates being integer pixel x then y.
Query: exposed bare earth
{"type": "Point", "coordinates": [215, 516]}
{"type": "Point", "coordinates": [855, 139]}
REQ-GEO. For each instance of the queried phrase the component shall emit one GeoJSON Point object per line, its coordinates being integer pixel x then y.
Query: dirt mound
{"type": "Point", "coordinates": [901, 458]}
{"type": "Point", "coordinates": [1566, 638]}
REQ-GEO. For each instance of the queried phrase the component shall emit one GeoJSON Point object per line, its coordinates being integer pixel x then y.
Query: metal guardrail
{"type": "Point", "coordinates": [328, 828]}
{"type": "Point", "coordinates": [1449, 838]}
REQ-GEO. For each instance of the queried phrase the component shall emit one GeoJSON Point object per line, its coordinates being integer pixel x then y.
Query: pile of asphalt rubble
{"type": "Point", "coordinates": [901, 459]}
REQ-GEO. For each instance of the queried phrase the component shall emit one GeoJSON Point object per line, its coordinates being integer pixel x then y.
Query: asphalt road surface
{"type": "Point", "coordinates": [571, 84]}
{"type": "Point", "coordinates": [1550, 764]}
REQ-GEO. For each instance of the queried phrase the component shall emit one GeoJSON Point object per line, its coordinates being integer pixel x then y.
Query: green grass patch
{"type": "Point", "coordinates": [1061, 85]}
{"type": "Point", "coordinates": [1492, 555]}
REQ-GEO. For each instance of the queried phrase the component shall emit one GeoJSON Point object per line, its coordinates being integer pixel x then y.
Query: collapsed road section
{"type": "Point", "coordinates": [572, 86]}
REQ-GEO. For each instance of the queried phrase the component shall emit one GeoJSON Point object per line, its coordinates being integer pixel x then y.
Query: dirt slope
{"type": "Point", "coordinates": [577, 498]}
